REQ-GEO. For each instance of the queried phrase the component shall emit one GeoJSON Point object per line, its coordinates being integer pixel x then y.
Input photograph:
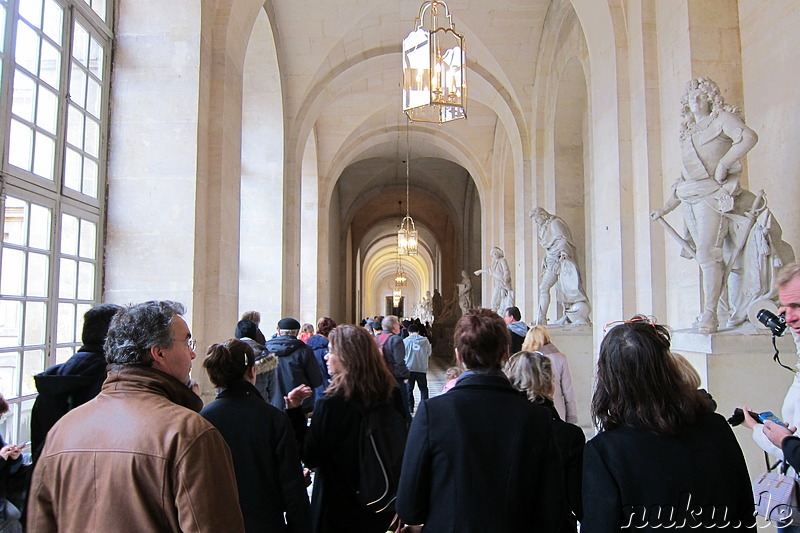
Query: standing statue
{"type": "Point", "coordinates": [426, 309]}
{"type": "Point", "coordinates": [502, 294]}
{"type": "Point", "coordinates": [730, 231]}
{"type": "Point", "coordinates": [464, 289]}
{"type": "Point", "coordinates": [559, 269]}
{"type": "Point", "coordinates": [437, 304]}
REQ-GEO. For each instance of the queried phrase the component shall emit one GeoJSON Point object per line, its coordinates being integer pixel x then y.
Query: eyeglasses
{"type": "Point", "coordinates": [192, 344]}
{"type": "Point", "coordinates": [651, 320]}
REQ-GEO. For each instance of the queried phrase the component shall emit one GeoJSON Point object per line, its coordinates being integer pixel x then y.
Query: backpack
{"type": "Point", "coordinates": [382, 441]}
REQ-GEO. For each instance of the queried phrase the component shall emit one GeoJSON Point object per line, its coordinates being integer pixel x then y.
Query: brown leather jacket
{"type": "Point", "coordinates": [136, 458]}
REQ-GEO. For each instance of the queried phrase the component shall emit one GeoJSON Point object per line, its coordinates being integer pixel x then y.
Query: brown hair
{"type": "Point", "coordinates": [3, 405]}
{"type": "Point", "coordinates": [532, 373]}
{"type": "Point", "coordinates": [639, 384]}
{"type": "Point", "coordinates": [255, 316]}
{"type": "Point", "coordinates": [536, 337]}
{"type": "Point", "coordinates": [364, 374]}
{"type": "Point", "coordinates": [452, 373]}
{"type": "Point", "coordinates": [325, 325]}
{"type": "Point", "coordinates": [481, 339]}
{"type": "Point", "coordinates": [227, 363]}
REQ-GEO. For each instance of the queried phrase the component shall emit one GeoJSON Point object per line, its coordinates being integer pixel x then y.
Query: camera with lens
{"type": "Point", "coordinates": [776, 323]}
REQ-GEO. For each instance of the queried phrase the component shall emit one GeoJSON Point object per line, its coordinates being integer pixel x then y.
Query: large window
{"type": "Point", "coordinates": [53, 106]}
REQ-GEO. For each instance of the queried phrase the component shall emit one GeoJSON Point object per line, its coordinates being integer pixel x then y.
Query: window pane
{"type": "Point", "coordinates": [44, 156]}
{"type": "Point", "coordinates": [2, 28]}
{"type": "Point", "coordinates": [80, 45]}
{"type": "Point", "coordinates": [9, 374]}
{"type": "Point", "coordinates": [37, 275]}
{"type": "Point", "coordinates": [27, 49]}
{"type": "Point", "coordinates": [75, 121]}
{"type": "Point", "coordinates": [96, 58]}
{"type": "Point", "coordinates": [25, 424]}
{"type": "Point", "coordinates": [88, 239]}
{"type": "Point", "coordinates": [85, 281]}
{"type": "Point", "coordinates": [35, 323]}
{"type": "Point", "coordinates": [92, 143]}
{"type": "Point", "coordinates": [51, 65]}
{"type": "Point", "coordinates": [93, 96]}
{"type": "Point", "coordinates": [11, 282]}
{"type": "Point", "coordinates": [72, 170]}
{"type": "Point", "coordinates": [69, 235]}
{"type": "Point", "coordinates": [31, 10]}
{"type": "Point", "coordinates": [77, 86]}
{"type": "Point", "coordinates": [16, 221]}
{"type": "Point", "coordinates": [64, 353]}
{"type": "Point", "coordinates": [89, 178]}
{"type": "Point", "coordinates": [20, 145]}
{"type": "Point", "coordinates": [66, 324]}
{"type": "Point", "coordinates": [53, 20]}
{"type": "Point", "coordinates": [47, 110]}
{"type": "Point", "coordinates": [32, 364]}
{"type": "Point", "coordinates": [24, 96]}
{"type": "Point", "coordinates": [67, 278]}
{"type": "Point", "coordinates": [10, 323]}
{"type": "Point", "coordinates": [40, 227]}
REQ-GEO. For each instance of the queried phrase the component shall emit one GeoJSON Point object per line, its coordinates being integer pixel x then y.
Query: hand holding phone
{"type": "Point", "coordinates": [769, 415]}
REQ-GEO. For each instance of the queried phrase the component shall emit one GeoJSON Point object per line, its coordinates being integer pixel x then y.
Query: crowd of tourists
{"type": "Point", "coordinates": [123, 442]}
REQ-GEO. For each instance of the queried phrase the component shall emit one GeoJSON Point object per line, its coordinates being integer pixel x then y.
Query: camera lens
{"type": "Point", "coordinates": [776, 324]}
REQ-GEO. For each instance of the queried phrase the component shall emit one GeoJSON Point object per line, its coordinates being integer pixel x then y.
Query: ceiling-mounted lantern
{"type": "Point", "coordinates": [434, 67]}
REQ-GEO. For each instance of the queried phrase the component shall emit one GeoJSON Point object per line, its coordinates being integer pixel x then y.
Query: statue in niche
{"type": "Point", "coordinates": [464, 292]}
{"type": "Point", "coordinates": [437, 303]}
{"type": "Point", "coordinates": [502, 293]}
{"type": "Point", "coordinates": [559, 270]}
{"type": "Point", "coordinates": [426, 309]}
{"type": "Point", "coordinates": [729, 230]}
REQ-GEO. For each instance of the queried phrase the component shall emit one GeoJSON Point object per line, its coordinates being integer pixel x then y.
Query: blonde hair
{"type": "Point", "coordinates": [532, 373]}
{"type": "Point", "coordinates": [787, 274]}
{"type": "Point", "coordinates": [307, 328]}
{"type": "Point", "coordinates": [536, 337]}
{"type": "Point", "coordinates": [689, 372]}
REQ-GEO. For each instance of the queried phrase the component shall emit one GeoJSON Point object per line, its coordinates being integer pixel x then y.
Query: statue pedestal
{"type": "Point", "coordinates": [737, 369]}
{"type": "Point", "coordinates": [576, 343]}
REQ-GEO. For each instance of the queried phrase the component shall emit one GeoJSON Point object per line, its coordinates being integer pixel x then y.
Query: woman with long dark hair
{"type": "Point", "coordinates": [662, 458]}
{"type": "Point", "coordinates": [360, 382]}
{"type": "Point", "coordinates": [269, 474]}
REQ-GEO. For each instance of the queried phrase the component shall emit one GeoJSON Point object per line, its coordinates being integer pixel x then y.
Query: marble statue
{"type": "Point", "coordinates": [729, 230]}
{"type": "Point", "coordinates": [559, 270]}
{"type": "Point", "coordinates": [464, 292]}
{"type": "Point", "coordinates": [426, 309]}
{"type": "Point", "coordinates": [502, 292]}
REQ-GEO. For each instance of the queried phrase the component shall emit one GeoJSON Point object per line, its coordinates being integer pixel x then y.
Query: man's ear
{"type": "Point", "coordinates": [157, 355]}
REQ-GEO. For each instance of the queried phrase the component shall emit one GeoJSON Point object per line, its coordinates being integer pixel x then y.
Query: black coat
{"type": "Point", "coordinates": [330, 447]}
{"type": "Point", "coordinates": [64, 387]}
{"type": "Point", "coordinates": [570, 440]}
{"type": "Point", "coordinates": [630, 474]}
{"type": "Point", "coordinates": [265, 458]}
{"type": "Point", "coordinates": [482, 458]}
{"type": "Point", "coordinates": [296, 366]}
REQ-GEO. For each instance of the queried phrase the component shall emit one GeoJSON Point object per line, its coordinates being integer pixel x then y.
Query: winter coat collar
{"type": "Point", "coordinates": [239, 388]}
{"type": "Point", "coordinates": [134, 378]}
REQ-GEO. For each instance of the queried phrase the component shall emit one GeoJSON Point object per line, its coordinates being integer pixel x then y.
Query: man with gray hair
{"type": "Point", "coordinates": [138, 457]}
{"type": "Point", "coordinates": [391, 346]}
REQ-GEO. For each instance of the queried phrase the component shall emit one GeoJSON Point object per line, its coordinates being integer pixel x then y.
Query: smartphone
{"type": "Point", "coordinates": [769, 415]}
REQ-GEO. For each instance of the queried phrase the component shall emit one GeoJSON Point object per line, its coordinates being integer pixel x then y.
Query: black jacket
{"type": "Point", "coordinates": [268, 470]}
{"type": "Point", "coordinates": [296, 366]}
{"type": "Point", "coordinates": [330, 446]}
{"type": "Point", "coordinates": [482, 458]}
{"type": "Point", "coordinates": [64, 387]}
{"type": "Point", "coordinates": [697, 479]}
{"type": "Point", "coordinates": [570, 441]}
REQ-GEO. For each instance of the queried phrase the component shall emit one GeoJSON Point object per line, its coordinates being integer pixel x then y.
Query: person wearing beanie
{"type": "Point", "coordinates": [296, 364]}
